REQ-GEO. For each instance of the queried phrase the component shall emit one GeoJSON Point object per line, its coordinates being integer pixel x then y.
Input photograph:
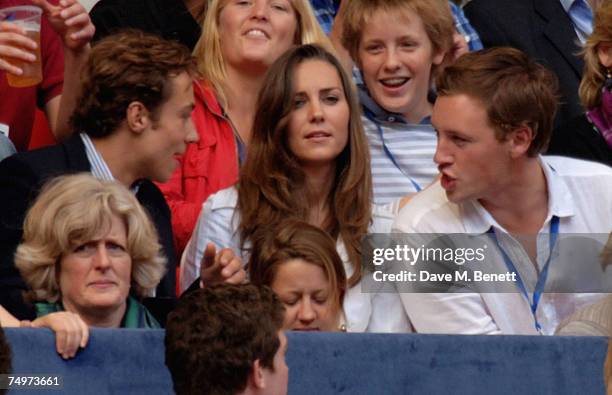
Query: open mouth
{"type": "Point", "coordinates": [396, 82]}
{"type": "Point", "coordinates": [447, 182]}
{"type": "Point", "coordinates": [256, 33]}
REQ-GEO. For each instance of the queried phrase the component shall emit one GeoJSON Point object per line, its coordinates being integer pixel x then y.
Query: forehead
{"type": "Point", "coordinates": [399, 22]}
{"type": "Point", "coordinates": [460, 113]}
{"type": "Point", "coordinates": [299, 273]}
{"type": "Point", "coordinates": [315, 75]}
{"type": "Point", "coordinates": [181, 90]}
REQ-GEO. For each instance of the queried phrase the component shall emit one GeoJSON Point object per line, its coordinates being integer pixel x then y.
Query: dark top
{"type": "Point", "coordinates": [21, 177]}
{"type": "Point", "coordinates": [580, 139]}
{"type": "Point", "coordinates": [169, 19]}
{"type": "Point", "coordinates": [543, 30]}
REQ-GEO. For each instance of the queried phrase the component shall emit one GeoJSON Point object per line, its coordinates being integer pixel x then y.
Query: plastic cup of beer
{"type": "Point", "coordinates": [28, 17]}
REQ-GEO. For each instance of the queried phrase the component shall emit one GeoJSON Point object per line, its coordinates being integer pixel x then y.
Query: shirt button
{"type": "Point", "coordinates": [391, 119]}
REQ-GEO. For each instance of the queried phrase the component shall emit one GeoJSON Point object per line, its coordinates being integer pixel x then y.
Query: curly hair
{"type": "Point", "coordinates": [71, 210]}
{"type": "Point", "coordinates": [515, 91]}
{"type": "Point", "coordinates": [435, 14]}
{"type": "Point", "coordinates": [215, 334]}
{"type": "Point", "coordinates": [207, 51]}
{"type": "Point", "coordinates": [593, 75]}
{"type": "Point", "coordinates": [293, 239]}
{"type": "Point", "coordinates": [123, 68]}
{"type": "Point", "coordinates": [272, 184]}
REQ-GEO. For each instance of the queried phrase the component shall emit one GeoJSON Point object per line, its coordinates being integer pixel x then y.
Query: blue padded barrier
{"type": "Point", "coordinates": [132, 362]}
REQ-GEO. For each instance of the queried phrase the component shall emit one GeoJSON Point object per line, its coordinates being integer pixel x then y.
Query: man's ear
{"type": "Point", "coordinates": [138, 117]}
{"type": "Point", "coordinates": [257, 376]}
{"type": "Point", "coordinates": [520, 140]}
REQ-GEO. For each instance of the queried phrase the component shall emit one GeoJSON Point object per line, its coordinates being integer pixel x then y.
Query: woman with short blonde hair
{"type": "Point", "coordinates": [86, 245]}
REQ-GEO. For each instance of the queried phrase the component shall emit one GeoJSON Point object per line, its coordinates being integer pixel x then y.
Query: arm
{"type": "Point", "coordinates": [71, 22]}
{"type": "Point", "coordinates": [216, 227]}
{"type": "Point", "coordinates": [70, 330]}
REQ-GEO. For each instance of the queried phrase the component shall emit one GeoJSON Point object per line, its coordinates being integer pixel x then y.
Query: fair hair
{"type": "Point", "coordinates": [593, 76]}
{"type": "Point", "coordinates": [73, 209]}
{"type": "Point", "coordinates": [208, 54]}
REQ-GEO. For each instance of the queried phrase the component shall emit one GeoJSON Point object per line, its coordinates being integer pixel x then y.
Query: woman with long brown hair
{"type": "Point", "coordinates": [308, 159]}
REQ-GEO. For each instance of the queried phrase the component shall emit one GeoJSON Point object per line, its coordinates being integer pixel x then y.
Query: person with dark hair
{"type": "Point", "coordinates": [300, 263]}
{"type": "Point", "coordinates": [494, 116]}
{"type": "Point", "coordinates": [308, 160]}
{"type": "Point", "coordinates": [133, 119]}
{"type": "Point", "coordinates": [226, 340]}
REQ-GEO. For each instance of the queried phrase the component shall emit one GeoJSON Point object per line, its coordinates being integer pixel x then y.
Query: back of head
{"type": "Point", "coordinates": [514, 90]}
{"type": "Point", "coordinates": [130, 66]}
{"type": "Point", "coordinates": [215, 335]}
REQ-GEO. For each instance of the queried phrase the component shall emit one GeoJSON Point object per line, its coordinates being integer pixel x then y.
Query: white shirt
{"type": "Point", "coordinates": [580, 194]}
{"type": "Point", "coordinates": [364, 311]}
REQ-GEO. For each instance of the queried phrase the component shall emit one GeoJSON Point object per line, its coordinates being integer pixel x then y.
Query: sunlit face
{"type": "Point", "coordinates": [95, 276]}
{"type": "Point", "coordinates": [276, 380]}
{"type": "Point", "coordinates": [319, 122]}
{"type": "Point", "coordinates": [396, 58]}
{"type": "Point", "coordinates": [254, 33]}
{"type": "Point", "coordinates": [166, 139]}
{"type": "Point", "coordinates": [473, 162]}
{"type": "Point", "coordinates": [307, 295]}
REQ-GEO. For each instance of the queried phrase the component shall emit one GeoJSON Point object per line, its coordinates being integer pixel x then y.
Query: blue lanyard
{"type": "Point", "coordinates": [370, 115]}
{"type": "Point", "coordinates": [539, 289]}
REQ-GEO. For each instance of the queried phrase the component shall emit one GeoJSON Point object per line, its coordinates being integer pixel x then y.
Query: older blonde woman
{"type": "Point", "coordinates": [240, 40]}
{"type": "Point", "coordinates": [88, 246]}
{"type": "Point", "coordinates": [590, 135]}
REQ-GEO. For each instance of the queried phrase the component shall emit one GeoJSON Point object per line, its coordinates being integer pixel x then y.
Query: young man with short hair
{"type": "Point", "coordinates": [494, 116]}
{"type": "Point", "coordinates": [227, 340]}
{"type": "Point", "coordinates": [132, 121]}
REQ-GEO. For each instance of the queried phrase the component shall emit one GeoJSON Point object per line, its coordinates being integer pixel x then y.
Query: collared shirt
{"type": "Point", "coordinates": [401, 153]}
{"type": "Point", "coordinates": [510, 313]}
{"type": "Point", "coordinates": [99, 168]}
{"type": "Point", "coordinates": [581, 15]}
{"type": "Point", "coordinates": [364, 311]}
{"type": "Point", "coordinates": [325, 11]}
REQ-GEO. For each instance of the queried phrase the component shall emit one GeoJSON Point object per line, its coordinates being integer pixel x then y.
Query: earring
{"type": "Point", "coordinates": [608, 81]}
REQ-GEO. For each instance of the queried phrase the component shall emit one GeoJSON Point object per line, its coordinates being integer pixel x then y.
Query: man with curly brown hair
{"type": "Point", "coordinates": [227, 340]}
{"type": "Point", "coordinates": [132, 121]}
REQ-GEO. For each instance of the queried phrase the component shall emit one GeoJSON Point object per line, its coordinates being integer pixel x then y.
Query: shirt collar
{"type": "Point", "coordinates": [371, 108]}
{"type": "Point", "coordinates": [99, 168]}
{"type": "Point", "coordinates": [566, 4]}
{"type": "Point", "coordinates": [477, 220]}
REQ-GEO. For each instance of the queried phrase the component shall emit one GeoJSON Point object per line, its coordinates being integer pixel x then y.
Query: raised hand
{"type": "Point", "coordinates": [70, 21]}
{"type": "Point", "coordinates": [221, 267]}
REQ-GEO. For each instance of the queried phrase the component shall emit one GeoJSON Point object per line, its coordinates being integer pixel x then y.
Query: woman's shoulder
{"type": "Point", "coordinates": [222, 200]}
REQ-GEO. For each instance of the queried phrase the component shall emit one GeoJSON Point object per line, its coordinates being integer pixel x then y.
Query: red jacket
{"type": "Point", "coordinates": [206, 167]}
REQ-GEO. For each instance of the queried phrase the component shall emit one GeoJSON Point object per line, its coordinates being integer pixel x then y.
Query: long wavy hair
{"type": "Point", "coordinates": [272, 184]}
{"type": "Point", "coordinates": [594, 73]}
